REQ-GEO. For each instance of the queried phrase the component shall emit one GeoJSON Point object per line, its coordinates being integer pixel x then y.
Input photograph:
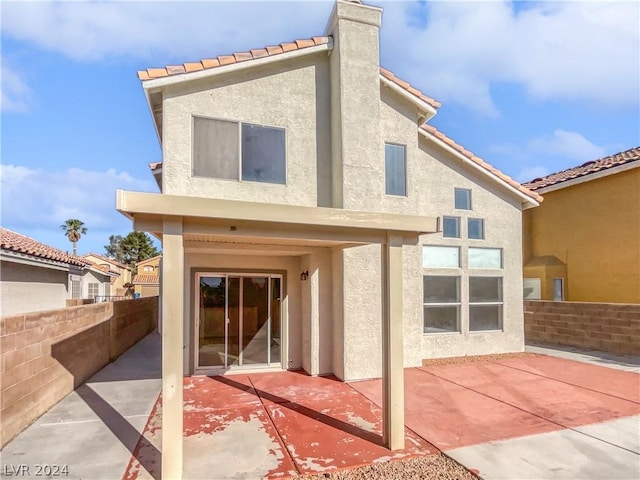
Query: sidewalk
{"type": "Point", "coordinates": [629, 363]}
{"type": "Point", "coordinates": [93, 431]}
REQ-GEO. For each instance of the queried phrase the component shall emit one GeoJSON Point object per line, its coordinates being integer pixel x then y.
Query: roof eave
{"type": "Point", "coordinates": [427, 111]}
{"type": "Point", "coordinates": [527, 201]}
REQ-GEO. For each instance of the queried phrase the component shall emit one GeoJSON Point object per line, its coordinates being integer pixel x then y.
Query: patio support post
{"type": "Point", "coordinates": [172, 347]}
{"type": "Point", "coordinates": [392, 344]}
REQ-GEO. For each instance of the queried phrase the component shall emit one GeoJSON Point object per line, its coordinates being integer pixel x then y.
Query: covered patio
{"type": "Point", "coordinates": [177, 220]}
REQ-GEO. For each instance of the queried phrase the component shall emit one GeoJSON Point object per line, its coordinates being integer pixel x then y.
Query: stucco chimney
{"type": "Point", "coordinates": [357, 163]}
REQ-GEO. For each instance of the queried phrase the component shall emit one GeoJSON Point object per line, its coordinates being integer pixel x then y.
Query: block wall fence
{"type": "Point", "coordinates": [609, 327]}
{"type": "Point", "coordinates": [46, 355]}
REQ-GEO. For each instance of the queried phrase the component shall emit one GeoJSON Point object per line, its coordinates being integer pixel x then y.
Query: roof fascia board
{"type": "Point", "coordinates": [157, 83]}
{"type": "Point", "coordinates": [427, 110]}
{"type": "Point", "coordinates": [590, 176]}
{"type": "Point", "coordinates": [32, 260]}
{"type": "Point", "coordinates": [527, 201]}
{"type": "Point", "coordinates": [177, 205]}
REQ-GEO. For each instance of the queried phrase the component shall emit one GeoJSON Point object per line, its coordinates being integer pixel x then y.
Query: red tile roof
{"type": "Point", "coordinates": [145, 280]}
{"type": "Point", "coordinates": [155, 166]}
{"type": "Point", "coordinates": [18, 243]}
{"type": "Point", "coordinates": [113, 261]}
{"type": "Point", "coordinates": [477, 160]}
{"type": "Point", "coordinates": [594, 166]}
{"type": "Point", "coordinates": [221, 60]}
{"type": "Point", "coordinates": [414, 91]}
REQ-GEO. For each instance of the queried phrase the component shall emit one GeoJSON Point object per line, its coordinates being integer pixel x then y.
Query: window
{"type": "Point", "coordinates": [558, 289]}
{"type": "Point", "coordinates": [475, 228]}
{"type": "Point", "coordinates": [462, 199]}
{"type": "Point", "coordinates": [76, 291]}
{"type": "Point", "coordinates": [531, 289]}
{"type": "Point", "coordinates": [395, 162]}
{"type": "Point", "coordinates": [148, 268]}
{"type": "Point", "coordinates": [485, 257]}
{"type": "Point", "coordinates": [441, 295]}
{"type": "Point", "coordinates": [451, 227]}
{"type": "Point", "coordinates": [94, 290]}
{"type": "Point", "coordinates": [485, 303]}
{"type": "Point", "coordinates": [107, 289]}
{"type": "Point", "coordinates": [440, 257]}
{"type": "Point", "coordinates": [232, 150]}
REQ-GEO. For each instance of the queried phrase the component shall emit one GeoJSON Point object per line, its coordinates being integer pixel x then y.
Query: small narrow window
{"type": "Point", "coordinates": [475, 228]}
{"type": "Point", "coordinates": [463, 199]}
{"type": "Point", "coordinates": [558, 289]}
{"type": "Point", "coordinates": [395, 161]}
{"type": "Point", "coordinates": [451, 227]}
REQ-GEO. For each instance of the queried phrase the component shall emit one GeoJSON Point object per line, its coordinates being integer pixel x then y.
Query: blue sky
{"type": "Point", "coordinates": [531, 87]}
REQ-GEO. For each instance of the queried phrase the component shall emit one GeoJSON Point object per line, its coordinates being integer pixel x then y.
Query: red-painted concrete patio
{"type": "Point", "coordinates": [280, 424]}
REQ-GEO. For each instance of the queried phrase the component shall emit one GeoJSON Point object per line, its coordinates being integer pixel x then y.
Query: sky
{"type": "Point", "coordinates": [530, 87]}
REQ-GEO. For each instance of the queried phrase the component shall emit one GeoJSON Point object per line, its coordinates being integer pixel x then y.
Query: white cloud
{"type": "Point", "coordinates": [560, 149]}
{"type": "Point", "coordinates": [578, 51]}
{"type": "Point", "coordinates": [43, 200]}
{"type": "Point", "coordinates": [566, 144]}
{"type": "Point", "coordinates": [16, 93]}
{"type": "Point", "coordinates": [456, 51]}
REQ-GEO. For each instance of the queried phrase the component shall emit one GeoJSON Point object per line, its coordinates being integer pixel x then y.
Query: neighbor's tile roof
{"type": "Point", "coordinates": [490, 168]}
{"type": "Point", "coordinates": [594, 166]}
{"type": "Point", "coordinates": [145, 280]}
{"type": "Point", "coordinates": [222, 60]}
{"type": "Point", "coordinates": [106, 259]}
{"type": "Point", "coordinates": [18, 243]}
{"type": "Point", "coordinates": [155, 166]}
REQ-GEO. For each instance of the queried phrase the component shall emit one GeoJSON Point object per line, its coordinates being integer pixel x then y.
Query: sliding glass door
{"type": "Point", "coordinates": [238, 320]}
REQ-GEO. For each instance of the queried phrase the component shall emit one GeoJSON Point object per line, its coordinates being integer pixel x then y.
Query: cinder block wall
{"type": "Point", "coordinates": [46, 355]}
{"type": "Point", "coordinates": [610, 327]}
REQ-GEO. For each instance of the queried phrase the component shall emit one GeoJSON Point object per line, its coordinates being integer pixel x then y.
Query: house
{"type": "Point", "coordinates": [147, 279]}
{"type": "Point", "coordinates": [311, 219]}
{"type": "Point", "coordinates": [583, 244]}
{"type": "Point", "coordinates": [118, 283]}
{"type": "Point", "coordinates": [35, 276]}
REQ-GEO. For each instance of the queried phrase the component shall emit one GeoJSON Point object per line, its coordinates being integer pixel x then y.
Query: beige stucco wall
{"type": "Point", "coordinates": [28, 288]}
{"type": "Point", "coordinates": [293, 95]}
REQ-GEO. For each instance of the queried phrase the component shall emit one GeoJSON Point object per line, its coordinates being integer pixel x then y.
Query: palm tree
{"type": "Point", "coordinates": [74, 229]}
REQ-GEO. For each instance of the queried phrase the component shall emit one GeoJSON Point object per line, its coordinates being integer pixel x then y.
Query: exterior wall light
{"type": "Point", "coordinates": [304, 275]}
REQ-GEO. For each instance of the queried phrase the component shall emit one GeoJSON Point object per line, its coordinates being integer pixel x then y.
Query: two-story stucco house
{"type": "Point", "coordinates": [311, 219]}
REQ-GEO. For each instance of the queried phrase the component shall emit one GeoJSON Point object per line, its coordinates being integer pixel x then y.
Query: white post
{"type": "Point", "coordinates": [172, 347]}
{"type": "Point", "coordinates": [392, 344]}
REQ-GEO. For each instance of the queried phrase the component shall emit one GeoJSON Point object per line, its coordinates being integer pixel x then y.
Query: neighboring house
{"type": "Point", "coordinates": [583, 244]}
{"type": "Point", "coordinates": [118, 283]}
{"type": "Point", "coordinates": [35, 276]}
{"type": "Point", "coordinates": [311, 219]}
{"type": "Point", "coordinates": [146, 281]}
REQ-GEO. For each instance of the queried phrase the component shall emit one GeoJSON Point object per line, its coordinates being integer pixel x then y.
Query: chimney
{"type": "Point", "coordinates": [357, 153]}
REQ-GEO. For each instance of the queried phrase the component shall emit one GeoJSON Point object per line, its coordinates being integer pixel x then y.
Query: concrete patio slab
{"type": "Point", "coordinates": [564, 454]}
{"type": "Point", "coordinates": [623, 432]}
{"type": "Point", "coordinates": [630, 363]}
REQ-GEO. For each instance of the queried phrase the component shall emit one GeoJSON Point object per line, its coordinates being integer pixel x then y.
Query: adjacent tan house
{"type": "Point", "coordinates": [311, 219]}
{"type": "Point", "coordinates": [118, 283]}
{"type": "Point", "coordinates": [35, 276]}
{"type": "Point", "coordinates": [583, 244]}
{"type": "Point", "coordinates": [147, 279]}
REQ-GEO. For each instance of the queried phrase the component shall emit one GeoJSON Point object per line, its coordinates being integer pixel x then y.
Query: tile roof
{"type": "Point", "coordinates": [588, 168]}
{"type": "Point", "coordinates": [414, 91]}
{"type": "Point", "coordinates": [113, 261]}
{"type": "Point", "coordinates": [18, 243]}
{"type": "Point", "coordinates": [477, 160]}
{"type": "Point", "coordinates": [222, 60]}
{"type": "Point", "coordinates": [155, 166]}
{"type": "Point", "coordinates": [145, 280]}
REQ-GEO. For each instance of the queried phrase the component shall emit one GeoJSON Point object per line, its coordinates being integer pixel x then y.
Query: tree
{"type": "Point", "coordinates": [114, 249]}
{"type": "Point", "coordinates": [135, 247]}
{"type": "Point", "coordinates": [74, 229]}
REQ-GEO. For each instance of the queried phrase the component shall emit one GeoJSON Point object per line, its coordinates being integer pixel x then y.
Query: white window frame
{"type": "Point", "coordinates": [239, 124]}
{"type": "Point", "coordinates": [457, 304]}
{"type": "Point", "coordinates": [500, 304]}
{"type": "Point", "coordinates": [94, 285]}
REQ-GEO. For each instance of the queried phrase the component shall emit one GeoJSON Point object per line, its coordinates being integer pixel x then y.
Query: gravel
{"type": "Point", "coordinates": [430, 467]}
{"type": "Point", "coordinates": [474, 358]}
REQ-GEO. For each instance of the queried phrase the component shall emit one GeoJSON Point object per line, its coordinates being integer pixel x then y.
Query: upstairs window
{"type": "Point", "coordinates": [395, 162]}
{"type": "Point", "coordinates": [475, 228]}
{"type": "Point", "coordinates": [462, 198]}
{"type": "Point", "coordinates": [238, 151]}
{"type": "Point", "coordinates": [451, 227]}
